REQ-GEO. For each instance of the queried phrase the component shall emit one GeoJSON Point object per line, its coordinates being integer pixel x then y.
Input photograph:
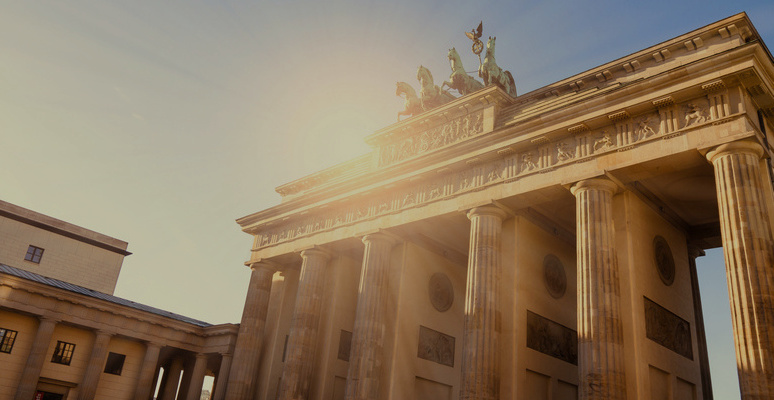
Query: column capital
{"type": "Point", "coordinates": [381, 236]}
{"type": "Point", "coordinates": [264, 264]}
{"type": "Point", "coordinates": [488, 209]}
{"type": "Point", "coordinates": [316, 251]}
{"type": "Point", "coordinates": [47, 318]}
{"type": "Point", "coordinates": [149, 344]}
{"type": "Point", "coordinates": [103, 332]}
{"type": "Point", "coordinates": [737, 147]}
{"type": "Point", "coordinates": [600, 183]}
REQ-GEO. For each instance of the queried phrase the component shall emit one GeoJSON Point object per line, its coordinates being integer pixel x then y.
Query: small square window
{"type": "Point", "coordinates": [7, 337]}
{"type": "Point", "coordinates": [63, 353]}
{"type": "Point", "coordinates": [115, 363]}
{"type": "Point", "coordinates": [34, 254]}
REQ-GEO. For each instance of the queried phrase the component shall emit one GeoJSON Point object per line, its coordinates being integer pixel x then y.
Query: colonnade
{"type": "Point", "coordinates": [744, 201]}
{"type": "Point", "coordinates": [145, 382]}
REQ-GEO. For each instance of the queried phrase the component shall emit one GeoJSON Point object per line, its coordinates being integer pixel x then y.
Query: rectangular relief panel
{"type": "Point", "coordinates": [659, 383]}
{"type": "Point", "coordinates": [685, 390]}
{"type": "Point", "coordinates": [537, 386]}
{"type": "Point", "coordinates": [667, 329]}
{"type": "Point", "coordinates": [339, 387]}
{"type": "Point", "coordinates": [345, 345]}
{"type": "Point", "coordinates": [435, 346]}
{"type": "Point", "coordinates": [427, 389]}
{"type": "Point", "coordinates": [566, 391]}
{"type": "Point", "coordinates": [552, 338]}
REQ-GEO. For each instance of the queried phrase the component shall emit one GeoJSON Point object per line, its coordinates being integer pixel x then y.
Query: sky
{"type": "Point", "coordinates": [160, 123]}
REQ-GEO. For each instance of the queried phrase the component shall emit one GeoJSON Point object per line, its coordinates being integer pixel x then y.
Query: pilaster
{"type": "Point", "coordinates": [601, 367]}
{"type": "Point", "coordinates": [748, 246]}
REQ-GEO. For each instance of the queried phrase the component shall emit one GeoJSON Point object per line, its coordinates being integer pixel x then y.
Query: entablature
{"type": "Point", "coordinates": [695, 91]}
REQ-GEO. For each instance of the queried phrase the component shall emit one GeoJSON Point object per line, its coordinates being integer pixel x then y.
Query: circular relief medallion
{"type": "Point", "coordinates": [554, 276]}
{"type": "Point", "coordinates": [665, 263]}
{"type": "Point", "coordinates": [441, 291]}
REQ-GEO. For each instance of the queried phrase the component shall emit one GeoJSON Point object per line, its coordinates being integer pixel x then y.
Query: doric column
{"type": "Point", "coordinates": [480, 340]}
{"type": "Point", "coordinates": [701, 336]}
{"type": "Point", "coordinates": [220, 381]}
{"type": "Point", "coordinates": [247, 350]}
{"type": "Point", "coordinates": [304, 326]}
{"type": "Point", "coordinates": [600, 331]}
{"type": "Point", "coordinates": [88, 387]}
{"type": "Point", "coordinates": [29, 378]}
{"type": "Point", "coordinates": [748, 246]}
{"type": "Point", "coordinates": [147, 372]}
{"type": "Point", "coordinates": [172, 379]}
{"type": "Point", "coordinates": [366, 361]}
{"type": "Point", "coordinates": [197, 377]}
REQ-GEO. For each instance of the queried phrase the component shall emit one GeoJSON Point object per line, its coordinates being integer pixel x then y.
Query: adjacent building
{"type": "Point", "coordinates": [532, 247]}
{"type": "Point", "coordinates": [64, 336]}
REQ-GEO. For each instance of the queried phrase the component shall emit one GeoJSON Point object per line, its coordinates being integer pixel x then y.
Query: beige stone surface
{"type": "Point", "coordinates": [748, 241]}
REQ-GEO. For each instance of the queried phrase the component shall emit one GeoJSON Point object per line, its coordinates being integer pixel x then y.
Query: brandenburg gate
{"type": "Point", "coordinates": [531, 246]}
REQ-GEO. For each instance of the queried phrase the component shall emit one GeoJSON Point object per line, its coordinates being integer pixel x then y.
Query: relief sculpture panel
{"type": "Point", "coordinates": [552, 338]}
{"type": "Point", "coordinates": [431, 139]}
{"type": "Point", "coordinates": [667, 329]}
{"type": "Point", "coordinates": [435, 346]}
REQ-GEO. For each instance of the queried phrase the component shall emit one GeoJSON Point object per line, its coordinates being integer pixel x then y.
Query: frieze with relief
{"type": "Point", "coordinates": [440, 136]}
{"type": "Point", "coordinates": [544, 155]}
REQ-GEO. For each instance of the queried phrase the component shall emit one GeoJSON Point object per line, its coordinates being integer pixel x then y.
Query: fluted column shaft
{"type": "Point", "coordinates": [600, 331]}
{"type": "Point", "coordinates": [304, 327]}
{"type": "Point", "coordinates": [247, 351]}
{"type": "Point", "coordinates": [29, 378]}
{"type": "Point", "coordinates": [481, 335]}
{"type": "Point", "coordinates": [147, 372]}
{"type": "Point", "coordinates": [197, 377]}
{"type": "Point", "coordinates": [88, 387]}
{"type": "Point", "coordinates": [220, 380]}
{"type": "Point", "coordinates": [366, 361]}
{"type": "Point", "coordinates": [748, 246]}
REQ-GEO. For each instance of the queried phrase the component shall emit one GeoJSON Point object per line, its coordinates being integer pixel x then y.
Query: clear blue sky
{"type": "Point", "coordinates": [159, 123]}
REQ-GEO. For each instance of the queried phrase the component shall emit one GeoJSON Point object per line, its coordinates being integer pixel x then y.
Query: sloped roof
{"type": "Point", "coordinates": [5, 269]}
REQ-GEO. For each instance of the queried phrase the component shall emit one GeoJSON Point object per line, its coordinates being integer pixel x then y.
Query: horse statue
{"type": "Point", "coordinates": [460, 80]}
{"type": "Point", "coordinates": [492, 74]}
{"type": "Point", "coordinates": [412, 105]}
{"type": "Point", "coordinates": [430, 94]}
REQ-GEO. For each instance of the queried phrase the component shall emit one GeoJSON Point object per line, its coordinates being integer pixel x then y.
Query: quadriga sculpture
{"type": "Point", "coordinates": [412, 105]}
{"type": "Point", "coordinates": [430, 94]}
{"type": "Point", "coordinates": [460, 80]}
{"type": "Point", "coordinates": [492, 74]}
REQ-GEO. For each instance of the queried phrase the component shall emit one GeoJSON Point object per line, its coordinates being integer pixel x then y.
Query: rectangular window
{"type": "Point", "coordinates": [63, 353]}
{"type": "Point", "coordinates": [7, 337]}
{"type": "Point", "coordinates": [115, 363]}
{"type": "Point", "coordinates": [34, 254]}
